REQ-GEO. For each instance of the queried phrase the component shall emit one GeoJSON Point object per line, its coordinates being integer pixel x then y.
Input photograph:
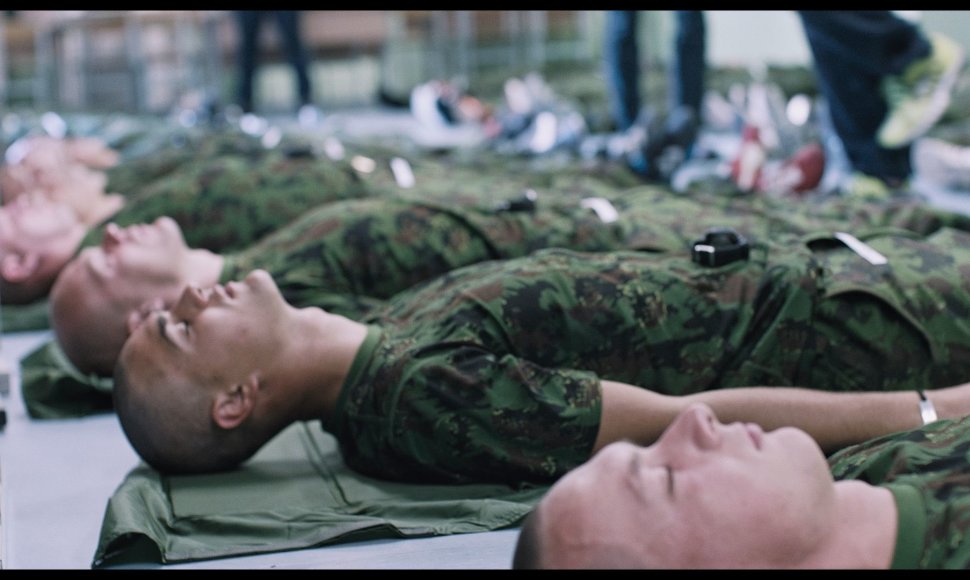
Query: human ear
{"type": "Point", "coordinates": [233, 405]}
{"type": "Point", "coordinates": [17, 268]}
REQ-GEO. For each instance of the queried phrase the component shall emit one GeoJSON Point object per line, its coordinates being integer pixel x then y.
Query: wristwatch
{"type": "Point", "coordinates": [719, 246]}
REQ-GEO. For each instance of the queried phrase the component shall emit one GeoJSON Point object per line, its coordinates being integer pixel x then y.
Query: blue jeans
{"type": "Point", "coordinates": [853, 51]}
{"type": "Point", "coordinates": [289, 28]}
{"type": "Point", "coordinates": [621, 52]}
{"type": "Point", "coordinates": [689, 60]}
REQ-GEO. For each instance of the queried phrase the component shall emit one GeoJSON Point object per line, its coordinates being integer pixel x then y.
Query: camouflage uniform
{"type": "Point", "coordinates": [492, 372]}
{"type": "Point", "coordinates": [225, 201]}
{"type": "Point", "coordinates": [926, 469]}
{"type": "Point", "coordinates": [350, 257]}
{"type": "Point", "coordinates": [53, 388]}
{"type": "Point", "coordinates": [172, 151]}
{"type": "Point", "coordinates": [347, 257]}
{"type": "Point", "coordinates": [235, 191]}
{"type": "Point", "coordinates": [230, 202]}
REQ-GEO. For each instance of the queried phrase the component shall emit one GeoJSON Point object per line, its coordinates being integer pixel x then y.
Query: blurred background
{"type": "Point", "coordinates": [149, 61]}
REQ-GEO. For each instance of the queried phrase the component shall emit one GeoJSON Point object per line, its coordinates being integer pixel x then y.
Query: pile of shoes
{"type": "Point", "coordinates": [653, 147]}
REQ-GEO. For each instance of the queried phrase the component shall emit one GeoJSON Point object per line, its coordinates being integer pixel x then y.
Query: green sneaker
{"type": "Point", "coordinates": [921, 94]}
{"type": "Point", "coordinates": [869, 187]}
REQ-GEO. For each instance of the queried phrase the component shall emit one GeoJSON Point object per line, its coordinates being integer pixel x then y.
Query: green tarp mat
{"type": "Point", "coordinates": [295, 493]}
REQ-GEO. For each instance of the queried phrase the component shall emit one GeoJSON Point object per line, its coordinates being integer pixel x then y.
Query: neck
{"type": "Point", "coordinates": [864, 535]}
{"type": "Point", "coordinates": [63, 251]}
{"type": "Point", "coordinates": [320, 357]}
{"type": "Point", "coordinates": [203, 268]}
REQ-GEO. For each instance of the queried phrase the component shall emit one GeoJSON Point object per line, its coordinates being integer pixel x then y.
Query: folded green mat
{"type": "Point", "coordinates": [25, 317]}
{"type": "Point", "coordinates": [295, 493]}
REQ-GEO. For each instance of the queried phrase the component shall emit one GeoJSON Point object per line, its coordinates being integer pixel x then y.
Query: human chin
{"type": "Point", "coordinates": [262, 290]}
{"type": "Point", "coordinates": [169, 226]}
{"type": "Point", "coordinates": [797, 448]}
{"type": "Point", "coordinates": [260, 280]}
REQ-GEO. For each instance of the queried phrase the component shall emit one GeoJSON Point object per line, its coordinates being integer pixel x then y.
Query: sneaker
{"type": "Point", "coordinates": [868, 187]}
{"type": "Point", "coordinates": [919, 96]}
{"type": "Point", "coordinates": [642, 144]}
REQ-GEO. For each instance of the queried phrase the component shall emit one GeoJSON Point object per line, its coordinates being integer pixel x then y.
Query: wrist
{"type": "Point", "coordinates": [927, 410]}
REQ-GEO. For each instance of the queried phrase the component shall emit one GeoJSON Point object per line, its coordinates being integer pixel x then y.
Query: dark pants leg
{"type": "Point", "coordinates": [853, 51]}
{"type": "Point", "coordinates": [621, 52]}
{"type": "Point", "coordinates": [248, 39]}
{"type": "Point", "coordinates": [289, 27]}
{"type": "Point", "coordinates": [689, 60]}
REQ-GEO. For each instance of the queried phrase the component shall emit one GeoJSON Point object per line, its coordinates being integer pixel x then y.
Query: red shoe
{"type": "Point", "coordinates": [800, 173]}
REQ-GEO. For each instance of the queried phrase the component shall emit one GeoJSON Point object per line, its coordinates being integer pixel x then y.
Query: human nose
{"type": "Point", "coordinates": [192, 301]}
{"type": "Point", "coordinates": [112, 236]}
{"type": "Point", "coordinates": [696, 427]}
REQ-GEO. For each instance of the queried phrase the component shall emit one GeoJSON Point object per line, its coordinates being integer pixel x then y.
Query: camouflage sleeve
{"type": "Point", "coordinates": [460, 414]}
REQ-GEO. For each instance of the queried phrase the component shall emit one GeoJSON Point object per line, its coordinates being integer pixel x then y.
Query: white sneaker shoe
{"type": "Point", "coordinates": [921, 94]}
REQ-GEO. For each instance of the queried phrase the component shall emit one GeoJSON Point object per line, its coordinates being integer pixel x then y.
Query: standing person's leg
{"type": "Point", "coordinates": [853, 52]}
{"type": "Point", "coordinates": [621, 52]}
{"type": "Point", "coordinates": [248, 40]}
{"type": "Point", "coordinates": [876, 42]}
{"type": "Point", "coordinates": [689, 60]}
{"type": "Point", "coordinates": [289, 26]}
{"type": "Point", "coordinates": [687, 82]}
{"type": "Point", "coordinates": [918, 70]}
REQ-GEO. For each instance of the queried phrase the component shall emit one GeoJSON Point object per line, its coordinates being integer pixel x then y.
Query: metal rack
{"type": "Point", "coordinates": [143, 61]}
{"type": "Point", "coordinates": [105, 60]}
{"type": "Point", "coordinates": [461, 42]}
